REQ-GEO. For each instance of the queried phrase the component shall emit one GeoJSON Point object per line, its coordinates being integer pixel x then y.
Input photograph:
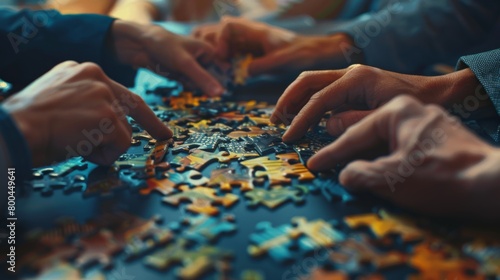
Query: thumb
{"type": "Point", "coordinates": [338, 123]}
{"type": "Point", "coordinates": [270, 63]}
{"type": "Point", "coordinates": [372, 176]}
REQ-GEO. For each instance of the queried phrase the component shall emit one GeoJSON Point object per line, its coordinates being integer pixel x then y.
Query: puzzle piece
{"type": "Point", "coordinates": [436, 260]}
{"type": "Point", "coordinates": [97, 248]}
{"type": "Point", "coordinates": [252, 131]}
{"type": "Point", "coordinates": [200, 141]}
{"type": "Point", "coordinates": [226, 179]}
{"type": "Point", "coordinates": [487, 253]}
{"type": "Point", "coordinates": [64, 271]}
{"type": "Point", "coordinates": [202, 199]}
{"type": "Point", "coordinates": [278, 171]}
{"type": "Point", "coordinates": [321, 274]}
{"type": "Point", "coordinates": [240, 68]}
{"type": "Point", "coordinates": [105, 186]}
{"type": "Point", "coordinates": [312, 235]}
{"type": "Point", "coordinates": [195, 262]}
{"type": "Point", "coordinates": [384, 224]}
{"type": "Point", "coordinates": [204, 228]}
{"type": "Point", "coordinates": [267, 144]}
{"type": "Point", "coordinates": [239, 149]}
{"type": "Point", "coordinates": [199, 159]}
{"type": "Point", "coordinates": [207, 127]}
{"type": "Point", "coordinates": [167, 185]}
{"type": "Point", "coordinates": [47, 184]}
{"type": "Point", "coordinates": [276, 196]}
{"type": "Point", "coordinates": [61, 169]}
{"type": "Point", "coordinates": [186, 100]}
{"type": "Point", "coordinates": [354, 253]}
{"type": "Point", "coordinates": [276, 242]}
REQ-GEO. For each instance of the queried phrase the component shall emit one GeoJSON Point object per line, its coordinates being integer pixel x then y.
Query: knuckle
{"type": "Point", "coordinates": [91, 69]}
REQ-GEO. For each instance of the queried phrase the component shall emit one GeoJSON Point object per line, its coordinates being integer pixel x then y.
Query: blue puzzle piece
{"type": "Point", "coordinates": [276, 242]}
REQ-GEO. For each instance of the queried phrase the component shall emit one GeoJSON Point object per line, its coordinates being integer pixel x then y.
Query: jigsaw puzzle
{"type": "Point", "coordinates": [221, 152]}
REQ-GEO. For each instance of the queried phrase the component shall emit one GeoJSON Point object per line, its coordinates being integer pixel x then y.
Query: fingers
{"type": "Point", "coordinates": [136, 108]}
{"type": "Point", "coordinates": [338, 123]}
{"type": "Point", "coordinates": [376, 130]}
{"type": "Point", "coordinates": [300, 91]}
{"type": "Point", "coordinates": [200, 77]}
{"type": "Point", "coordinates": [375, 177]}
{"type": "Point", "coordinates": [345, 91]}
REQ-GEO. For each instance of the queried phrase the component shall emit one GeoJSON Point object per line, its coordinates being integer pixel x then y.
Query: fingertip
{"type": "Point", "coordinates": [335, 126]}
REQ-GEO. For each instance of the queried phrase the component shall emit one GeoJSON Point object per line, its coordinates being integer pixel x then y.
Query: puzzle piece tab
{"type": "Point", "coordinates": [276, 196]}
{"type": "Point", "coordinates": [385, 224]}
{"type": "Point", "coordinates": [202, 200]}
{"type": "Point", "coordinates": [195, 262]}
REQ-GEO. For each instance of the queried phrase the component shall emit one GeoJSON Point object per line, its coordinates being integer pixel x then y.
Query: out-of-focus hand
{"type": "Point", "coordinates": [153, 47]}
{"type": "Point", "coordinates": [75, 109]}
{"type": "Point", "coordinates": [275, 50]}
{"type": "Point", "coordinates": [434, 164]}
{"type": "Point", "coordinates": [353, 93]}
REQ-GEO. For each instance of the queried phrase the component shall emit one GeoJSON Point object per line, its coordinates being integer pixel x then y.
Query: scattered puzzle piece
{"type": "Point", "coordinates": [201, 199]}
{"type": "Point", "coordinates": [195, 262]}
{"type": "Point", "coordinates": [314, 234]}
{"type": "Point", "coordinates": [386, 224]}
{"type": "Point", "coordinates": [276, 196]}
{"type": "Point", "coordinates": [273, 241]}
{"type": "Point", "coordinates": [226, 179]}
{"type": "Point", "coordinates": [167, 185]}
{"type": "Point", "coordinates": [64, 271]}
{"type": "Point", "coordinates": [98, 247]}
{"type": "Point", "coordinates": [204, 228]}
{"type": "Point", "coordinates": [278, 171]}
{"type": "Point", "coordinates": [199, 159]}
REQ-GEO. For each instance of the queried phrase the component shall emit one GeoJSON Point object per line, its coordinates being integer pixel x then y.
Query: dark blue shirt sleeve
{"type": "Point", "coordinates": [32, 42]}
{"type": "Point", "coordinates": [486, 67]}
{"type": "Point", "coordinates": [13, 147]}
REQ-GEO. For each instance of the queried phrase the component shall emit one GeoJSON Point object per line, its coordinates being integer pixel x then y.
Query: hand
{"type": "Point", "coordinates": [75, 109]}
{"type": "Point", "coordinates": [353, 93]}
{"type": "Point", "coordinates": [276, 50]}
{"type": "Point", "coordinates": [434, 166]}
{"type": "Point", "coordinates": [155, 48]}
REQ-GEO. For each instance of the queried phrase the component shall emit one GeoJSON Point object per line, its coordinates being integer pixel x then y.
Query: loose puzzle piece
{"type": "Point", "coordinates": [320, 274]}
{"type": "Point", "coordinates": [62, 169]}
{"type": "Point", "coordinates": [239, 149]}
{"type": "Point", "coordinates": [356, 252]}
{"type": "Point", "coordinates": [240, 68]}
{"type": "Point", "coordinates": [64, 271]}
{"type": "Point", "coordinates": [226, 179]}
{"type": "Point", "coordinates": [276, 242]}
{"type": "Point", "coordinates": [252, 131]}
{"type": "Point", "coordinates": [202, 200]}
{"type": "Point", "coordinates": [167, 185]}
{"type": "Point", "coordinates": [487, 254]}
{"type": "Point", "coordinates": [436, 260]}
{"type": "Point", "coordinates": [138, 236]}
{"type": "Point", "coordinates": [204, 228]}
{"type": "Point", "coordinates": [105, 186]}
{"type": "Point", "coordinates": [200, 141]}
{"type": "Point", "coordinates": [251, 275]}
{"type": "Point", "coordinates": [384, 224]}
{"type": "Point", "coordinates": [195, 262]}
{"type": "Point", "coordinates": [267, 144]}
{"type": "Point", "coordinates": [208, 128]}
{"type": "Point", "coordinates": [278, 171]}
{"type": "Point", "coordinates": [276, 196]}
{"type": "Point", "coordinates": [199, 159]}
{"type": "Point", "coordinates": [314, 234]}
{"type": "Point", "coordinates": [98, 247]}
{"type": "Point", "coordinates": [47, 184]}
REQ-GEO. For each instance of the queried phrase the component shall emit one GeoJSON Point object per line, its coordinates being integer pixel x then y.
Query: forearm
{"type": "Point", "coordinates": [140, 11]}
{"type": "Point", "coordinates": [409, 36]}
{"type": "Point", "coordinates": [48, 38]}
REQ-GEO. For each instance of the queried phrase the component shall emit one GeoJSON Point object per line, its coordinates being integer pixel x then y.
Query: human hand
{"type": "Point", "coordinates": [76, 107]}
{"type": "Point", "coordinates": [434, 164]}
{"type": "Point", "coordinates": [155, 48]}
{"type": "Point", "coordinates": [353, 93]}
{"type": "Point", "coordinates": [275, 50]}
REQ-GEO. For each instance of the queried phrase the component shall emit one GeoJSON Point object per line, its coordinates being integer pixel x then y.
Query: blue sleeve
{"type": "Point", "coordinates": [32, 42]}
{"type": "Point", "coordinates": [486, 67]}
{"type": "Point", "coordinates": [407, 36]}
{"type": "Point", "coordinates": [13, 147]}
